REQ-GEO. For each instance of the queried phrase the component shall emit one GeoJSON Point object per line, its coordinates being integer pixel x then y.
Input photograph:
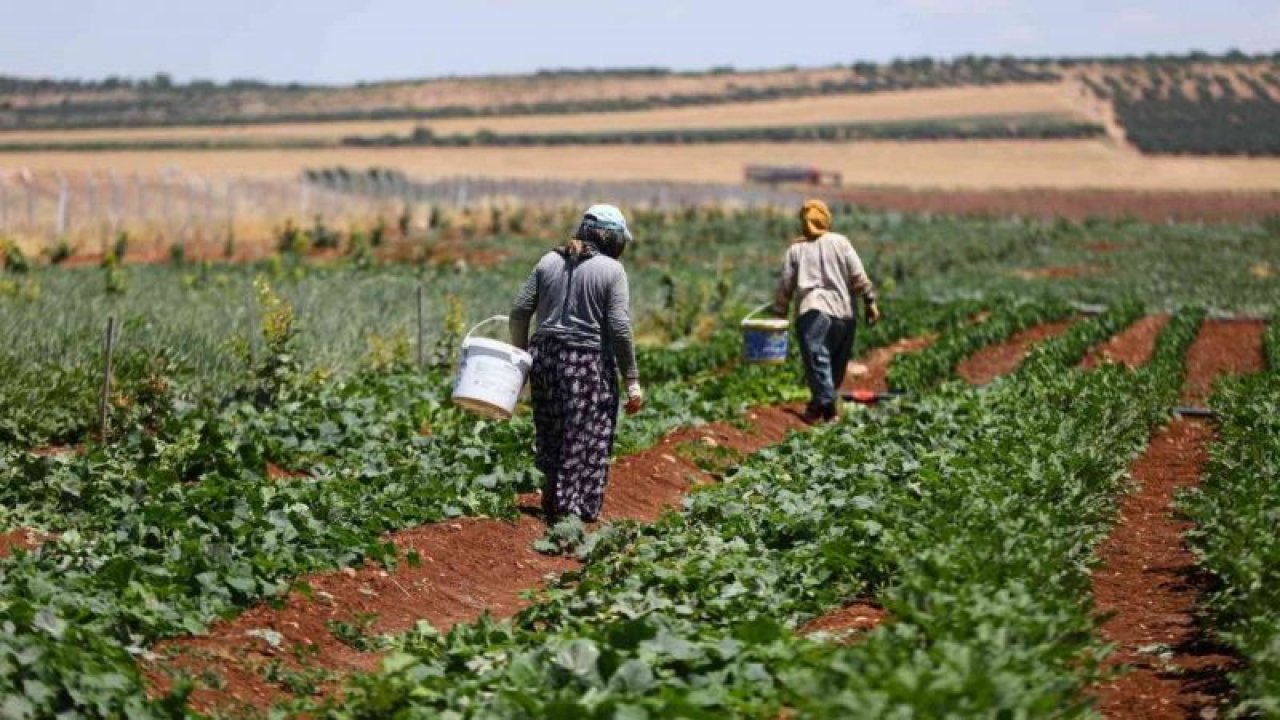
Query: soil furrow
{"type": "Point", "coordinates": [464, 569]}
{"type": "Point", "coordinates": [1003, 358]}
{"type": "Point", "coordinates": [1132, 347]}
{"type": "Point", "coordinates": [1228, 347]}
{"type": "Point", "coordinates": [871, 372]}
{"type": "Point", "coordinates": [1148, 585]}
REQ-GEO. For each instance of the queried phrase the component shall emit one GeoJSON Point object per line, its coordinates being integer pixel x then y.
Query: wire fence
{"type": "Point", "coordinates": [87, 212]}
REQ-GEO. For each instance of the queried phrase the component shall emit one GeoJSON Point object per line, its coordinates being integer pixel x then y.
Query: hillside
{"type": "Point", "coordinates": [1193, 104]}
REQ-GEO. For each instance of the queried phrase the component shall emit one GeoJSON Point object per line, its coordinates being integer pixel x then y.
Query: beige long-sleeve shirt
{"type": "Point", "coordinates": [824, 274]}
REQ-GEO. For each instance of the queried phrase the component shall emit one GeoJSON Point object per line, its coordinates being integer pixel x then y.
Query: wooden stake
{"type": "Point", "coordinates": [421, 350]}
{"type": "Point", "coordinates": [109, 346]}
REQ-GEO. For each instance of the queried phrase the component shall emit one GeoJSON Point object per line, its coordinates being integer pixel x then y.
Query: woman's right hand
{"type": "Point", "coordinates": [635, 398]}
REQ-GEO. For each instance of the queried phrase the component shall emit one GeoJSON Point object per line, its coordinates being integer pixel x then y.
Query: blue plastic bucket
{"type": "Point", "coordinates": [764, 340]}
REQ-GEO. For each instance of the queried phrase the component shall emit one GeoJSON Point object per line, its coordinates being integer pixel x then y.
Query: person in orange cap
{"type": "Point", "coordinates": [824, 274]}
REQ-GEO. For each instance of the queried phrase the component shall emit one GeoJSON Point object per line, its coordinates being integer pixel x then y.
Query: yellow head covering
{"type": "Point", "coordinates": [815, 218]}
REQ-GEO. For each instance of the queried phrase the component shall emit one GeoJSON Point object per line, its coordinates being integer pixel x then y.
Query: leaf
{"type": "Point", "coordinates": [37, 691]}
{"type": "Point", "coordinates": [17, 707]}
{"type": "Point", "coordinates": [633, 676]}
{"type": "Point", "coordinates": [579, 657]}
{"type": "Point", "coordinates": [47, 620]}
{"type": "Point", "coordinates": [243, 583]}
{"type": "Point", "coordinates": [398, 661]}
{"type": "Point", "coordinates": [758, 631]}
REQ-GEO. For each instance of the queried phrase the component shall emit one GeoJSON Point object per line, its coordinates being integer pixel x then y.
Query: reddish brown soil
{"type": "Point", "coordinates": [1223, 347]}
{"type": "Point", "coordinates": [1057, 272]}
{"type": "Point", "coordinates": [1132, 347]}
{"type": "Point", "coordinates": [873, 369]}
{"type": "Point", "coordinates": [55, 450]}
{"type": "Point", "coordinates": [467, 568]}
{"type": "Point", "coordinates": [1101, 247]}
{"type": "Point", "coordinates": [21, 538]}
{"type": "Point", "coordinates": [642, 485]}
{"type": "Point", "coordinates": [848, 622]}
{"type": "Point", "coordinates": [1148, 581]}
{"type": "Point", "coordinates": [1154, 206]}
{"type": "Point", "coordinates": [275, 472]}
{"type": "Point", "coordinates": [993, 361]}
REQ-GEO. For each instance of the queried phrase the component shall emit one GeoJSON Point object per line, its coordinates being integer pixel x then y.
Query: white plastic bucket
{"type": "Point", "coordinates": [490, 375]}
{"type": "Point", "coordinates": [764, 340]}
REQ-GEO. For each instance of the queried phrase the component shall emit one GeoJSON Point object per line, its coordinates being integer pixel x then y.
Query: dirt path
{"type": "Point", "coordinates": [1132, 347]}
{"type": "Point", "coordinates": [1223, 347]}
{"type": "Point", "coordinates": [465, 568]}
{"type": "Point", "coordinates": [1003, 358]}
{"type": "Point", "coordinates": [1148, 581]}
{"type": "Point", "coordinates": [871, 371]}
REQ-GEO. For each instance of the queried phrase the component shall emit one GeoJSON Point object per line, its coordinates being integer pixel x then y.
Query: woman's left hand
{"type": "Point", "coordinates": [635, 398]}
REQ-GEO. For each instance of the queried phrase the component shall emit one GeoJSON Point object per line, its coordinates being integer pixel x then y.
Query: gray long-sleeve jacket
{"type": "Point", "coordinates": [584, 301]}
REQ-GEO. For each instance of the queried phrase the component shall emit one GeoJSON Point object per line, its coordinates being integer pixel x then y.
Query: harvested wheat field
{"type": "Point", "coordinates": [943, 164]}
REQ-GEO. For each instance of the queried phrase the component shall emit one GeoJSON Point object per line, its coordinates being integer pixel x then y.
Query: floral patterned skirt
{"type": "Point", "coordinates": [575, 411]}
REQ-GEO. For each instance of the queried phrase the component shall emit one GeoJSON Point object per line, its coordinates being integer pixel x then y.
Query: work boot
{"type": "Point", "coordinates": [813, 414]}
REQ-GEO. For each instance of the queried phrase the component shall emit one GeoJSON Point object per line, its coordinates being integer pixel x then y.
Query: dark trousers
{"type": "Point", "coordinates": [825, 345]}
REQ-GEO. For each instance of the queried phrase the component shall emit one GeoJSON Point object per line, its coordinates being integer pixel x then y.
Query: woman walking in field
{"type": "Point", "coordinates": [583, 340]}
{"type": "Point", "coordinates": [824, 273]}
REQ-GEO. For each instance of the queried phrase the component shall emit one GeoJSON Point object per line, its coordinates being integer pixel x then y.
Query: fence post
{"type": "Point", "coordinates": [31, 204]}
{"type": "Point", "coordinates": [109, 346]}
{"type": "Point", "coordinates": [64, 197]}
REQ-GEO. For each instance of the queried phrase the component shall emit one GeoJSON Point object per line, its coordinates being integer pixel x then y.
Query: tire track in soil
{"type": "Point", "coordinates": [467, 567]}
{"type": "Point", "coordinates": [1003, 358]}
{"type": "Point", "coordinates": [1148, 584]}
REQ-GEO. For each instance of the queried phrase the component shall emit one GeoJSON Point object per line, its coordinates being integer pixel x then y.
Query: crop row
{"type": "Point", "coordinates": [382, 451]}
{"type": "Point", "coordinates": [1235, 511]}
{"type": "Point", "coordinates": [968, 513]}
{"type": "Point", "coordinates": [974, 128]}
{"type": "Point", "coordinates": [186, 321]}
{"type": "Point", "coordinates": [1202, 127]}
{"type": "Point", "coordinates": [918, 371]}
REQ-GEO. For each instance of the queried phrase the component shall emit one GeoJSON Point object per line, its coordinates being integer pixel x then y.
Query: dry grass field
{"type": "Point", "coordinates": [1100, 164]}
{"type": "Point", "coordinates": [1039, 98]}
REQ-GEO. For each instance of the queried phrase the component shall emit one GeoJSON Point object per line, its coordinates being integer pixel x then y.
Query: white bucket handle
{"type": "Point", "coordinates": [753, 313]}
{"type": "Point", "coordinates": [481, 324]}
{"type": "Point", "coordinates": [516, 353]}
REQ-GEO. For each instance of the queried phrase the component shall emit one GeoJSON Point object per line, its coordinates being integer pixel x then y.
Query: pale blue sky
{"type": "Point", "coordinates": [343, 41]}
